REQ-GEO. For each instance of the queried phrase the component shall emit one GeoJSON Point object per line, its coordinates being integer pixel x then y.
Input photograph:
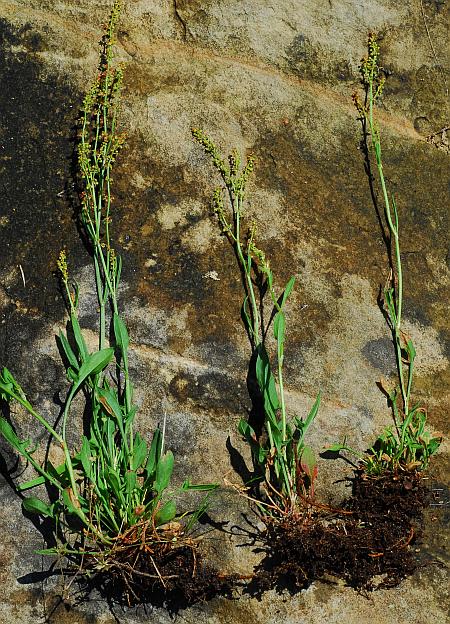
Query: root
{"type": "Point", "coordinates": [370, 537]}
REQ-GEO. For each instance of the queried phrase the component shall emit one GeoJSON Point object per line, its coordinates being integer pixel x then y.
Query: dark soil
{"type": "Point", "coordinates": [369, 542]}
{"type": "Point", "coordinates": [159, 573]}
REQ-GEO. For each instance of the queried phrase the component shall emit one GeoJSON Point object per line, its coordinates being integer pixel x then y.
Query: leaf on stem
{"type": "Point", "coordinates": [259, 453]}
{"type": "Point", "coordinates": [94, 364]}
{"type": "Point", "coordinates": [287, 291]}
{"type": "Point", "coordinates": [121, 333]}
{"type": "Point", "coordinates": [55, 472]}
{"type": "Point", "coordinates": [266, 382]}
{"type": "Point", "coordinates": [81, 344]}
{"type": "Point", "coordinates": [68, 352]}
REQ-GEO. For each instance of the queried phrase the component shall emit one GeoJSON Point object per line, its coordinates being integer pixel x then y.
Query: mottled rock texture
{"type": "Point", "coordinates": [273, 78]}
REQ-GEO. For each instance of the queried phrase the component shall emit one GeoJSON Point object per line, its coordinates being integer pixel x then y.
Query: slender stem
{"type": "Point", "coordinates": [282, 400]}
{"type": "Point", "coordinates": [397, 288]}
{"type": "Point", "coordinates": [237, 207]}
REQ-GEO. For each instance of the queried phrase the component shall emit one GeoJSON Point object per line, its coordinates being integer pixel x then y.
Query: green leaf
{"type": "Point", "coordinates": [411, 351]}
{"type": "Point", "coordinates": [130, 481]}
{"type": "Point", "coordinates": [164, 470]}
{"type": "Point", "coordinates": [113, 481]}
{"type": "Point", "coordinates": [72, 375]}
{"type": "Point", "coordinates": [70, 355]}
{"type": "Point", "coordinates": [121, 333]}
{"type": "Point", "coordinates": [312, 414]}
{"type": "Point", "coordinates": [287, 291]}
{"type": "Point", "coordinates": [6, 430]}
{"type": "Point", "coordinates": [269, 278]}
{"type": "Point", "coordinates": [245, 316]}
{"type": "Point", "coordinates": [7, 377]}
{"type": "Point", "coordinates": [47, 551]}
{"type": "Point", "coordinates": [131, 414]}
{"type": "Point", "coordinates": [308, 462]}
{"type": "Point", "coordinates": [266, 382]}
{"type": "Point", "coordinates": [85, 457]}
{"type": "Point", "coordinates": [82, 348]}
{"type": "Point", "coordinates": [93, 365]}
{"type": "Point", "coordinates": [248, 433]}
{"type": "Point", "coordinates": [109, 400]}
{"type": "Point", "coordinates": [153, 455]}
{"type": "Point", "coordinates": [166, 513]}
{"type": "Point", "coordinates": [139, 452]}
{"type": "Point", "coordinates": [279, 325]}
{"type": "Point", "coordinates": [199, 487]}
{"type": "Point", "coordinates": [32, 483]}
{"type": "Point", "coordinates": [9, 386]}
{"type": "Point", "coordinates": [35, 505]}
{"type": "Point", "coordinates": [335, 448]}
{"type": "Point", "coordinates": [60, 473]}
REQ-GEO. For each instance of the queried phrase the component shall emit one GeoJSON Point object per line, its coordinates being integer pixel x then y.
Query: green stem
{"type": "Point", "coordinates": [237, 206]}
{"type": "Point", "coordinates": [283, 405]}
{"type": "Point", "coordinates": [397, 288]}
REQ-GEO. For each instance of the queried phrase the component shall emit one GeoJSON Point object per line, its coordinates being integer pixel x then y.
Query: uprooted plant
{"type": "Point", "coordinates": [115, 511]}
{"type": "Point", "coordinates": [285, 465]}
{"type": "Point", "coordinates": [304, 539]}
{"type": "Point", "coordinates": [407, 445]}
{"type": "Point", "coordinates": [386, 506]}
{"type": "Point", "coordinates": [367, 540]}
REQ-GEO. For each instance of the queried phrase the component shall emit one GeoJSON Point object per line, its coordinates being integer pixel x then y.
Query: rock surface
{"type": "Point", "coordinates": [274, 79]}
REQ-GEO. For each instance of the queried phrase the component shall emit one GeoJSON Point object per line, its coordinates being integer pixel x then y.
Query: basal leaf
{"type": "Point", "coordinates": [139, 452]}
{"type": "Point", "coordinates": [166, 513]}
{"type": "Point", "coordinates": [85, 457]}
{"type": "Point", "coordinates": [35, 505]}
{"type": "Point", "coordinates": [130, 481]}
{"type": "Point", "coordinates": [308, 461]}
{"type": "Point", "coordinates": [153, 456]}
{"type": "Point", "coordinates": [259, 453]}
{"type": "Point", "coordinates": [199, 487]}
{"type": "Point", "coordinates": [164, 470]}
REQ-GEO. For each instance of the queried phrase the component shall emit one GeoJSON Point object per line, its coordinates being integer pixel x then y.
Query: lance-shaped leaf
{"type": "Point", "coordinates": [166, 513]}
{"type": "Point", "coordinates": [121, 333]}
{"type": "Point", "coordinates": [308, 462]}
{"type": "Point", "coordinates": [95, 363]}
{"type": "Point", "coordinates": [81, 344]}
{"type": "Point", "coordinates": [164, 470]}
{"type": "Point", "coordinates": [259, 453]}
{"type": "Point", "coordinates": [139, 452]}
{"type": "Point", "coordinates": [153, 457]}
{"type": "Point", "coordinates": [68, 352]}
{"type": "Point", "coordinates": [266, 382]}
{"type": "Point", "coordinates": [35, 505]}
{"type": "Point", "coordinates": [287, 291]}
